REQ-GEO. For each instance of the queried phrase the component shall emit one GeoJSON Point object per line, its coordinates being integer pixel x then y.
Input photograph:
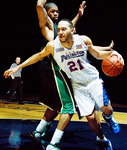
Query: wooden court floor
{"type": "Point", "coordinates": [36, 111]}
{"type": "Point", "coordinates": [17, 121]}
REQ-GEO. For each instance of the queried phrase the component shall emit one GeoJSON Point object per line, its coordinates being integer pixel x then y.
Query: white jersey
{"type": "Point", "coordinates": [74, 61]}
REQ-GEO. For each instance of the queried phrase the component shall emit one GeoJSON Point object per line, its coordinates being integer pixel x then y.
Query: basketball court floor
{"type": "Point", "coordinates": [17, 121]}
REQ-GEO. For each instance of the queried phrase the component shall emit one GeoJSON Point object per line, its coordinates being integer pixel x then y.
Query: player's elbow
{"type": "Point", "coordinates": [100, 56]}
{"type": "Point", "coordinates": [40, 57]}
{"type": "Point", "coordinates": [97, 55]}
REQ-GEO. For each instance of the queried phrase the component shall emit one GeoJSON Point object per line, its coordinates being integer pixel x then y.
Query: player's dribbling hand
{"type": "Point", "coordinates": [120, 58]}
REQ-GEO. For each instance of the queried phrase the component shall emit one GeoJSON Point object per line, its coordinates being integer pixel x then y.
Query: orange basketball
{"type": "Point", "coordinates": [111, 66]}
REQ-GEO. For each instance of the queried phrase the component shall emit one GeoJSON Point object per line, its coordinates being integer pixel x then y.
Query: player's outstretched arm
{"type": "Point", "coordinates": [31, 60]}
{"type": "Point", "coordinates": [80, 13]}
{"type": "Point", "coordinates": [110, 49]}
{"type": "Point", "coordinates": [102, 54]}
{"type": "Point", "coordinates": [94, 51]}
{"type": "Point", "coordinates": [45, 23]}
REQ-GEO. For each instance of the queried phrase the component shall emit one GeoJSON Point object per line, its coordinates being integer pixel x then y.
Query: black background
{"type": "Point", "coordinates": [103, 21]}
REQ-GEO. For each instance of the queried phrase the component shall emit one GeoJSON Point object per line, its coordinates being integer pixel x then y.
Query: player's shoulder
{"type": "Point", "coordinates": [86, 39]}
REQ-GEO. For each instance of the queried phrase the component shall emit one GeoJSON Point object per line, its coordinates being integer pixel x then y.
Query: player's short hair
{"type": "Point", "coordinates": [69, 21]}
{"type": "Point", "coordinates": [47, 6]}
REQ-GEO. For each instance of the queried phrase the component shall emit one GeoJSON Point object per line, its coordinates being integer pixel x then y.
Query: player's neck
{"type": "Point", "coordinates": [55, 21]}
{"type": "Point", "coordinates": [69, 43]}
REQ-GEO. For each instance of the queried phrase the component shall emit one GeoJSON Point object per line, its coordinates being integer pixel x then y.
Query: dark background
{"type": "Point", "coordinates": [103, 21]}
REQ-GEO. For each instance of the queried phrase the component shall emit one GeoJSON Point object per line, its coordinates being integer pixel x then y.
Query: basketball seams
{"type": "Point", "coordinates": [112, 63]}
{"type": "Point", "coordinates": [118, 68]}
{"type": "Point", "coordinates": [109, 70]}
{"type": "Point", "coordinates": [111, 66]}
{"type": "Point", "coordinates": [115, 70]}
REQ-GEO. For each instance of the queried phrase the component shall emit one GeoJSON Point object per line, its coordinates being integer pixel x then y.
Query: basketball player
{"type": "Point", "coordinates": [70, 53]}
{"type": "Point", "coordinates": [48, 17]}
{"type": "Point", "coordinates": [48, 14]}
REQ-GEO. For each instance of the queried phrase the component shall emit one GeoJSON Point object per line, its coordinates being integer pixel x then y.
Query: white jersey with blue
{"type": "Point", "coordinates": [74, 61]}
{"type": "Point", "coordinates": [88, 89]}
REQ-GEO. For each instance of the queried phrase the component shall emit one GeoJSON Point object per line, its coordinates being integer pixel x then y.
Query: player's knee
{"type": "Point", "coordinates": [108, 110]}
{"type": "Point", "coordinates": [90, 117]}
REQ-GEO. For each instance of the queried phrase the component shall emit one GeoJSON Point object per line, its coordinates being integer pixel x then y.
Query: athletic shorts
{"type": "Point", "coordinates": [89, 96]}
{"type": "Point", "coordinates": [56, 90]}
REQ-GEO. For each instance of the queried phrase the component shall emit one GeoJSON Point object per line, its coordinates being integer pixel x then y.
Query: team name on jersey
{"type": "Point", "coordinates": [72, 55]}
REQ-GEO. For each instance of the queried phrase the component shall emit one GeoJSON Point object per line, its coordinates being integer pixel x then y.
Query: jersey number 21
{"type": "Point", "coordinates": [72, 65]}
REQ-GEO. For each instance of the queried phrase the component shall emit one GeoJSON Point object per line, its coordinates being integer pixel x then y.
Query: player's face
{"type": "Point", "coordinates": [64, 31]}
{"type": "Point", "coordinates": [53, 13]}
{"type": "Point", "coordinates": [18, 60]}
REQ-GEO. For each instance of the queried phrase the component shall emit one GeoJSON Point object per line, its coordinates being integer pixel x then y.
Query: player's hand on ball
{"type": "Point", "coordinates": [120, 58]}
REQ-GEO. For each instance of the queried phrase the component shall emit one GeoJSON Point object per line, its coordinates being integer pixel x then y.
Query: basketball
{"type": "Point", "coordinates": [111, 66]}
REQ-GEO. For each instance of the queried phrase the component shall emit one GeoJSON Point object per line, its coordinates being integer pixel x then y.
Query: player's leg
{"type": "Point", "coordinates": [108, 117]}
{"type": "Point", "coordinates": [44, 125]}
{"type": "Point", "coordinates": [46, 121]}
{"type": "Point", "coordinates": [50, 115]}
{"type": "Point", "coordinates": [100, 96]}
{"type": "Point", "coordinates": [108, 113]}
{"type": "Point", "coordinates": [62, 124]}
{"type": "Point", "coordinates": [67, 110]}
{"type": "Point", "coordinates": [94, 123]}
{"type": "Point", "coordinates": [50, 97]}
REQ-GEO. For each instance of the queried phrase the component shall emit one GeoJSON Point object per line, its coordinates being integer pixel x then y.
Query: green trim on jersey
{"type": "Point", "coordinates": [68, 104]}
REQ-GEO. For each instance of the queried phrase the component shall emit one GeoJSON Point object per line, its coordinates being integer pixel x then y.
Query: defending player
{"type": "Point", "coordinates": [70, 52]}
{"type": "Point", "coordinates": [48, 14]}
